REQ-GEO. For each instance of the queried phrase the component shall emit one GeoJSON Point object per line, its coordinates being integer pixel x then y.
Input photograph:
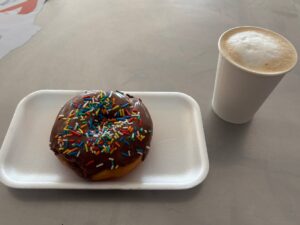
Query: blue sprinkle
{"type": "Point", "coordinates": [80, 144]}
{"type": "Point", "coordinates": [72, 153]}
{"type": "Point", "coordinates": [90, 123]}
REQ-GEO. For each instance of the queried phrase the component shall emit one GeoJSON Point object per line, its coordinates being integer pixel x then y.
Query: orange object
{"type": "Point", "coordinates": [26, 7]}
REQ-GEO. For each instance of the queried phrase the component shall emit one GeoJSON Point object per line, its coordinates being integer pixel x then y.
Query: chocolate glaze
{"type": "Point", "coordinates": [70, 145]}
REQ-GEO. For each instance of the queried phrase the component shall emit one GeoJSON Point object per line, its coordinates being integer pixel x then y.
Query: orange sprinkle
{"type": "Point", "coordinates": [83, 126]}
{"type": "Point", "coordinates": [130, 129]}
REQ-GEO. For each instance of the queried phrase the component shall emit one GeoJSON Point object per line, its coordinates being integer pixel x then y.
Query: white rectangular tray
{"type": "Point", "coordinates": [177, 158]}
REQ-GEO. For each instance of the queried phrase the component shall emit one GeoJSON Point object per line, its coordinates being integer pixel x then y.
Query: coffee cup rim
{"type": "Point", "coordinates": [253, 71]}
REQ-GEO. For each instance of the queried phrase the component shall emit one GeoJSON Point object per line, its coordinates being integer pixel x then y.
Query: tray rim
{"type": "Point", "coordinates": [95, 185]}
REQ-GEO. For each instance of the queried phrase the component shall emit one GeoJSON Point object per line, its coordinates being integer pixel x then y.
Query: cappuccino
{"type": "Point", "coordinates": [258, 50]}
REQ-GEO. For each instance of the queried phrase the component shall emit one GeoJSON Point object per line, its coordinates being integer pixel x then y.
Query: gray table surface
{"type": "Point", "coordinates": [162, 45]}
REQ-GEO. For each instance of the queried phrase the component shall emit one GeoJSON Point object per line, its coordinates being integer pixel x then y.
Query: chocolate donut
{"type": "Point", "coordinates": [102, 135]}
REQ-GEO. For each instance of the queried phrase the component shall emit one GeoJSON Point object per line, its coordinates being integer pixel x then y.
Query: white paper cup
{"type": "Point", "coordinates": [239, 92]}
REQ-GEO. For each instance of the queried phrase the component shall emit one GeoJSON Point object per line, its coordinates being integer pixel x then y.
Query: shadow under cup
{"type": "Point", "coordinates": [239, 91]}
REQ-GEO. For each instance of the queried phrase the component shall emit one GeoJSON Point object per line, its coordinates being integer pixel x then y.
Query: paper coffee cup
{"type": "Point", "coordinates": [251, 63]}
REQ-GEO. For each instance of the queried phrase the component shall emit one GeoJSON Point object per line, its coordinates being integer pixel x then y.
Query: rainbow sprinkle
{"type": "Point", "coordinates": [97, 125]}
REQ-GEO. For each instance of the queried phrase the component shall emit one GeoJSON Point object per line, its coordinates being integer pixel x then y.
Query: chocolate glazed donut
{"type": "Point", "coordinates": [102, 135]}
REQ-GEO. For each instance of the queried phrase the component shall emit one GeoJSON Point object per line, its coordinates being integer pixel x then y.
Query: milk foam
{"type": "Point", "coordinates": [259, 50]}
{"type": "Point", "coordinates": [255, 49]}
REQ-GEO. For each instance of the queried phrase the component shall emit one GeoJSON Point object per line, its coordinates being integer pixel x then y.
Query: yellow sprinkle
{"type": "Point", "coordinates": [72, 150]}
{"type": "Point", "coordinates": [117, 106]}
{"type": "Point", "coordinates": [86, 148]}
{"type": "Point", "coordinates": [141, 137]}
{"type": "Point", "coordinates": [97, 112]}
{"type": "Point", "coordinates": [66, 151]}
